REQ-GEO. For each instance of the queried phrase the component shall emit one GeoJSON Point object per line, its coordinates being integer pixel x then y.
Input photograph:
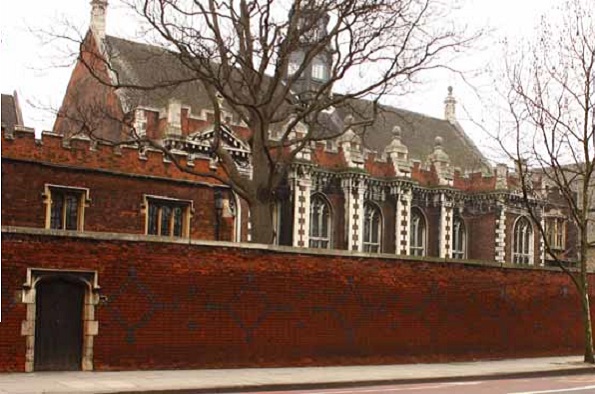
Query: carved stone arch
{"type": "Point", "coordinates": [321, 224]}
{"type": "Point", "coordinates": [523, 240]}
{"type": "Point", "coordinates": [325, 198]}
{"type": "Point", "coordinates": [37, 277]}
{"type": "Point", "coordinates": [372, 236]}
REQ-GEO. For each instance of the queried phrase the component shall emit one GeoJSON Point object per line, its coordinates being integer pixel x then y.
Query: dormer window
{"type": "Point", "coordinates": [319, 71]}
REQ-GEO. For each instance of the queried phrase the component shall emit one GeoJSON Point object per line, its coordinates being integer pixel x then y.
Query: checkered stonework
{"type": "Point", "coordinates": [500, 236]}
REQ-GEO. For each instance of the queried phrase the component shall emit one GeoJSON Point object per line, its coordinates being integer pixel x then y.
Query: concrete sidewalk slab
{"type": "Point", "coordinates": [218, 380]}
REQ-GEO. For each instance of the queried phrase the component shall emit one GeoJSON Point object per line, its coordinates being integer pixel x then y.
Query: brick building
{"type": "Point", "coordinates": [411, 184]}
{"type": "Point", "coordinates": [134, 228]}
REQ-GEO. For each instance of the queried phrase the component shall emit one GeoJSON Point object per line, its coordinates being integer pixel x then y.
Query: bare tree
{"type": "Point", "coordinates": [255, 58]}
{"type": "Point", "coordinates": [551, 101]}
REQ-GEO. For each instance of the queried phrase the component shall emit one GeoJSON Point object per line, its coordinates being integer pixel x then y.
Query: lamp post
{"type": "Point", "coordinates": [218, 211]}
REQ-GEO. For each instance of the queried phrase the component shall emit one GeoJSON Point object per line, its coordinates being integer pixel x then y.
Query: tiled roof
{"type": "Point", "coordinates": [144, 65]}
{"type": "Point", "coordinates": [147, 65]}
{"type": "Point", "coordinates": [418, 133]}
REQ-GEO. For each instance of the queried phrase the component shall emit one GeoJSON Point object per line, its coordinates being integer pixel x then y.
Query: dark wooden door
{"type": "Point", "coordinates": [59, 325]}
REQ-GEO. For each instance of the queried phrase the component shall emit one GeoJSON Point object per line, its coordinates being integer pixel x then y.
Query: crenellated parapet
{"type": "Point", "coordinates": [86, 154]}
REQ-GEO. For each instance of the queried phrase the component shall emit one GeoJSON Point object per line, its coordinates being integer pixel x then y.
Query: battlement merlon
{"type": "Point", "coordinates": [83, 153]}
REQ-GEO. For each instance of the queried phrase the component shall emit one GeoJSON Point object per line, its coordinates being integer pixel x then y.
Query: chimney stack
{"type": "Point", "coordinates": [98, 11]}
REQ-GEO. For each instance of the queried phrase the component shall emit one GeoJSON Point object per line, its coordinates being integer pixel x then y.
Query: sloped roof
{"type": "Point", "coordinates": [10, 114]}
{"type": "Point", "coordinates": [418, 134]}
{"type": "Point", "coordinates": [146, 65]}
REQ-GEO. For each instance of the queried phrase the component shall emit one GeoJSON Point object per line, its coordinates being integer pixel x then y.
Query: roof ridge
{"type": "Point", "coordinates": [147, 46]}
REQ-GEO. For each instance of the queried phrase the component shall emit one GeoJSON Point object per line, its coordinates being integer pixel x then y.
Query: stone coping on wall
{"type": "Point", "coordinates": [109, 236]}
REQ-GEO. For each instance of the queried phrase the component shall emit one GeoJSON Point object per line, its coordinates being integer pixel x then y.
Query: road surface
{"type": "Point", "coordinates": [572, 384]}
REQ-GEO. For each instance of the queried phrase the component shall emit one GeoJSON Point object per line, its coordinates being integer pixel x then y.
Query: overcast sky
{"type": "Point", "coordinates": [38, 72]}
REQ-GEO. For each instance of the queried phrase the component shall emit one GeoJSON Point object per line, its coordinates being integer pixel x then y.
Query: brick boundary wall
{"type": "Point", "coordinates": [195, 304]}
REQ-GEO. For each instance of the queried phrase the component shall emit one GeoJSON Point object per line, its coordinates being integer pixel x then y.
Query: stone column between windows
{"type": "Point", "coordinates": [354, 190]}
{"type": "Point", "coordinates": [446, 223]}
{"type": "Point", "coordinates": [403, 222]}
{"type": "Point", "coordinates": [302, 189]}
{"type": "Point", "coordinates": [500, 236]}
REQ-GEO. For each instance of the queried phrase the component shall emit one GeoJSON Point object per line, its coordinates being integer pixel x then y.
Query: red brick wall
{"type": "Point", "coordinates": [338, 210]}
{"type": "Point", "coordinates": [388, 225]}
{"type": "Point", "coordinates": [481, 233]}
{"type": "Point", "coordinates": [433, 230]}
{"type": "Point", "coordinates": [116, 200]}
{"type": "Point", "coordinates": [190, 306]}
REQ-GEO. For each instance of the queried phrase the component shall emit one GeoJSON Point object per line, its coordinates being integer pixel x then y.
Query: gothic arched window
{"type": "Point", "coordinates": [417, 233]}
{"type": "Point", "coordinates": [372, 228]}
{"type": "Point", "coordinates": [459, 239]}
{"type": "Point", "coordinates": [320, 222]}
{"type": "Point", "coordinates": [522, 247]}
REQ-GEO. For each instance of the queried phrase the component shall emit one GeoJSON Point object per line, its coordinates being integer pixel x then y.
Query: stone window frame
{"type": "Point", "coordinates": [523, 238]}
{"type": "Point", "coordinates": [369, 245]}
{"type": "Point", "coordinates": [83, 202]}
{"type": "Point", "coordinates": [90, 279]}
{"type": "Point", "coordinates": [459, 238]}
{"type": "Point", "coordinates": [320, 241]}
{"type": "Point", "coordinates": [418, 248]}
{"type": "Point", "coordinates": [187, 213]}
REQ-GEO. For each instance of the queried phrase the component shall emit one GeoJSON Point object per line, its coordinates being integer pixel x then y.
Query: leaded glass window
{"type": "Point", "coordinates": [320, 222]}
{"type": "Point", "coordinates": [167, 217]}
{"type": "Point", "coordinates": [417, 233]}
{"type": "Point", "coordinates": [523, 242]}
{"type": "Point", "coordinates": [66, 208]}
{"type": "Point", "coordinates": [372, 228]}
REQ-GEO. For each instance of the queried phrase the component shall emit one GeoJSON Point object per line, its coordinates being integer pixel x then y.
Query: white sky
{"type": "Point", "coordinates": [36, 70]}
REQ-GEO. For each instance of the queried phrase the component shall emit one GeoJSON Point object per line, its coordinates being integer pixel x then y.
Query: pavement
{"type": "Point", "coordinates": [262, 379]}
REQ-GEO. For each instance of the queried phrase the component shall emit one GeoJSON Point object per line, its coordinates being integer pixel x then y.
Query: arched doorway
{"type": "Point", "coordinates": [59, 324]}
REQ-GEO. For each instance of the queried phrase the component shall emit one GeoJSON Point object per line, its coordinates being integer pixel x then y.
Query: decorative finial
{"type": "Point", "coordinates": [438, 142]}
{"type": "Point", "coordinates": [397, 132]}
{"type": "Point", "coordinates": [450, 107]}
{"type": "Point", "coordinates": [349, 120]}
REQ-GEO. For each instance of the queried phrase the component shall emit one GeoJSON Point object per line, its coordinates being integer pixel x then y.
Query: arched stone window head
{"type": "Point", "coordinates": [320, 222]}
{"type": "Point", "coordinates": [417, 233]}
{"type": "Point", "coordinates": [522, 247]}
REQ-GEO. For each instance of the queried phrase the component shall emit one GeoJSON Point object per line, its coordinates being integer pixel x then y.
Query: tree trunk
{"type": "Point", "coordinates": [589, 357]}
{"type": "Point", "coordinates": [261, 219]}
